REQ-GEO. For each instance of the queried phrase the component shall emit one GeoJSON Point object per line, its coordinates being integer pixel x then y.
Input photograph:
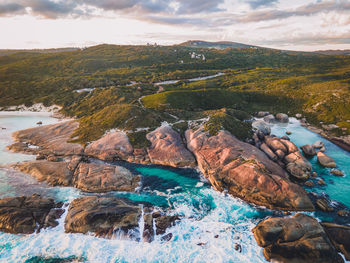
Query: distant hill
{"type": "Point", "coordinates": [50, 50]}
{"type": "Point", "coordinates": [216, 45]}
{"type": "Point", "coordinates": [334, 52]}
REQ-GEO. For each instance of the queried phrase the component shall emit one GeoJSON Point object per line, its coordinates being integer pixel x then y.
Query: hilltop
{"type": "Point", "coordinates": [217, 45]}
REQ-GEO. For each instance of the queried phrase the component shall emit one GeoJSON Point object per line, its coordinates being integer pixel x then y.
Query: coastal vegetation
{"type": "Point", "coordinates": [110, 86]}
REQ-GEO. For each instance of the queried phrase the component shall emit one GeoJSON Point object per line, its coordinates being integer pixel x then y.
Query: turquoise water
{"type": "Point", "coordinates": [337, 188]}
{"type": "Point", "coordinates": [212, 223]}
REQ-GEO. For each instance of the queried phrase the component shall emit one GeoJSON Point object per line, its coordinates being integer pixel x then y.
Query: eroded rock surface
{"type": "Point", "coordinates": [340, 237]}
{"type": "Point", "coordinates": [325, 160]}
{"type": "Point", "coordinates": [27, 214]}
{"type": "Point", "coordinates": [299, 238]}
{"type": "Point", "coordinates": [112, 146]}
{"type": "Point", "coordinates": [168, 149]}
{"type": "Point", "coordinates": [50, 139]}
{"type": "Point", "coordinates": [91, 177]}
{"type": "Point", "coordinates": [245, 171]}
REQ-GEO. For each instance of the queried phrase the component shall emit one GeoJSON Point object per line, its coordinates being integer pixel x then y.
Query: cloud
{"type": "Point", "coordinates": [10, 8]}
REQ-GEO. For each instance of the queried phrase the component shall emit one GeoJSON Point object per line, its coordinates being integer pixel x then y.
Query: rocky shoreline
{"type": "Point", "coordinates": [267, 171]}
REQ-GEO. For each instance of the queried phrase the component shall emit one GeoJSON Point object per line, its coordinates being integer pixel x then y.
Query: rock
{"type": "Point", "coordinates": [292, 148]}
{"type": "Point", "coordinates": [54, 173]}
{"type": "Point", "coordinates": [168, 149]}
{"type": "Point", "coordinates": [309, 183]}
{"type": "Point", "coordinates": [308, 150]}
{"type": "Point", "coordinates": [285, 137]}
{"type": "Point", "coordinates": [323, 149]}
{"type": "Point", "coordinates": [337, 173]}
{"type": "Point", "coordinates": [260, 135]}
{"type": "Point", "coordinates": [298, 116]}
{"type": "Point", "coordinates": [27, 214]}
{"type": "Point", "coordinates": [325, 160]}
{"type": "Point", "coordinates": [280, 154]}
{"type": "Point", "coordinates": [275, 144]}
{"type": "Point", "coordinates": [270, 119]}
{"type": "Point", "coordinates": [113, 146]}
{"type": "Point", "coordinates": [51, 138]}
{"type": "Point", "coordinates": [340, 237]}
{"type": "Point", "coordinates": [53, 158]}
{"type": "Point", "coordinates": [268, 152]}
{"type": "Point", "coordinates": [297, 171]}
{"type": "Point", "coordinates": [321, 182]}
{"type": "Point", "coordinates": [314, 174]}
{"type": "Point", "coordinates": [100, 178]}
{"type": "Point", "coordinates": [238, 247]}
{"type": "Point", "coordinates": [323, 205]}
{"type": "Point", "coordinates": [288, 133]}
{"type": "Point", "coordinates": [318, 144]}
{"type": "Point", "coordinates": [261, 126]}
{"type": "Point", "coordinates": [245, 171]}
{"type": "Point", "coordinates": [102, 215]}
{"type": "Point", "coordinates": [262, 114]}
{"type": "Point", "coordinates": [343, 213]}
{"type": "Point", "coordinates": [281, 117]}
{"type": "Point", "coordinates": [158, 224]}
{"type": "Point", "coordinates": [299, 238]}
{"type": "Point", "coordinates": [298, 166]}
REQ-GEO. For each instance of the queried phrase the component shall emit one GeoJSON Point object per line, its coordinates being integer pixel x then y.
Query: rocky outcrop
{"type": "Point", "coordinates": [54, 173]}
{"type": "Point", "coordinates": [113, 146]}
{"type": "Point", "coordinates": [100, 178]}
{"type": "Point", "coordinates": [168, 149]}
{"type": "Point", "coordinates": [286, 154]}
{"type": "Point", "coordinates": [325, 160]}
{"type": "Point", "coordinates": [105, 216]}
{"type": "Point", "coordinates": [27, 214]}
{"type": "Point", "coordinates": [245, 171]}
{"type": "Point", "coordinates": [308, 150]}
{"type": "Point", "coordinates": [340, 237]}
{"type": "Point", "coordinates": [299, 238]}
{"type": "Point", "coordinates": [50, 139]}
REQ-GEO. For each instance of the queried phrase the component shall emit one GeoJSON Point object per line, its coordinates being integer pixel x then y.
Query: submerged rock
{"type": "Point", "coordinates": [299, 238]}
{"type": "Point", "coordinates": [99, 178]}
{"type": "Point", "coordinates": [27, 214]}
{"type": "Point", "coordinates": [325, 160]}
{"type": "Point", "coordinates": [337, 173]}
{"type": "Point", "coordinates": [168, 149]}
{"type": "Point", "coordinates": [245, 171]}
{"type": "Point", "coordinates": [112, 146]}
{"type": "Point", "coordinates": [51, 139]}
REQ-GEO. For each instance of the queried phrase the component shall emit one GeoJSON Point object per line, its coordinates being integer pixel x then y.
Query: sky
{"type": "Point", "coordinates": [284, 24]}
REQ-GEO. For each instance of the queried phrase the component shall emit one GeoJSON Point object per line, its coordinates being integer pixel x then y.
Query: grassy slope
{"type": "Point", "coordinates": [255, 79]}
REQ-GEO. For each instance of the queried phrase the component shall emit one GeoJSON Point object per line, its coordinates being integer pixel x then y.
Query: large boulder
{"type": "Point", "coordinates": [100, 178]}
{"type": "Point", "coordinates": [27, 214]}
{"type": "Point", "coordinates": [308, 150]}
{"type": "Point", "coordinates": [245, 171]}
{"type": "Point", "coordinates": [261, 126]}
{"type": "Point", "coordinates": [325, 160]}
{"type": "Point", "coordinates": [299, 238]}
{"type": "Point", "coordinates": [340, 237]}
{"type": "Point", "coordinates": [168, 149]}
{"type": "Point", "coordinates": [112, 146]}
{"type": "Point", "coordinates": [281, 117]}
{"type": "Point", "coordinates": [51, 139]}
{"type": "Point", "coordinates": [54, 173]}
{"type": "Point", "coordinates": [101, 215]}
{"type": "Point", "coordinates": [270, 118]}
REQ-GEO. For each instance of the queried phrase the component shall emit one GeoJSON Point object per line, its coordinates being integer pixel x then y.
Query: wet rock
{"type": "Point", "coordinates": [285, 137]}
{"type": "Point", "coordinates": [299, 238]}
{"type": "Point", "coordinates": [52, 139]}
{"type": "Point", "coordinates": [308, 150]}
{"type": "Point", "coordinates": [325, 160]}
{"type": "Point", "coordinates": [309, 183]}
{"type": "Point", "coordinates": [298, 115]}
{"type": "Point", "coordinates": [318, 144]}
{"type": "Point", "coordinates": [112, 146]}
{"type": "Point", "coordinates": [275, 144]}
{"type": "Point", "coordinates": [314, 174]}
{"type": "Point", "coordinates": [99, 178]}
{"type": "Point", "coordinates": [168, 149]}
{"type": "Point", "coordinates": [340, 237]}
{"type": "Point", "coordinates": [238, 247]}
{"type": "Point", "coordinates": [337, 173]}
{"type": "Point", "coordinates": [281, 117]}
{"type": "Point", "coordinates": [323, 149]}
{"type": "Point", "coordinates": [27, 214]}
{"type": "Point", "coordinates": [292, 148]}
{"type": "Point", "coordinates": [297, 171]}
{"type": "Point", "coordinates": [54, 173]}
{"type": "Point", "coordinates": [321, 182]}
{"type": "Point", "coordinates": [343, 213]}
{"type": "Point", "coordinates": [266, 149]}
{"type": "Point", "coordinates": [323, 205]}
{"type": "Point", "coordinates": [262, 114]}
{"type": "Point", "coordinates": [102, 215]}
{"type": "Point", "coordinates": [261, 126]}
{"type": "Point", "coordinates": [270, 119]}
{"type": "Point", "coordinates": [245, 171]}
